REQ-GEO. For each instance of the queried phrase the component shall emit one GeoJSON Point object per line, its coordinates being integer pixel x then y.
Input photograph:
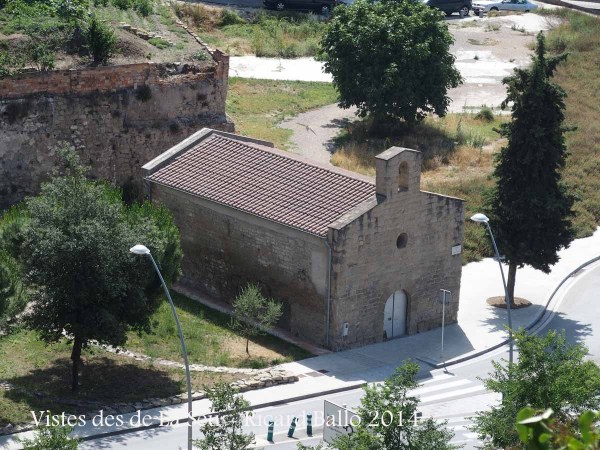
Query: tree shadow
{"type": "Point", "coordinates": [367, 138]}
{"type": "Point", "coordinates": [104, 381]}
{"type": "Point", "coordinates": [575, 331]}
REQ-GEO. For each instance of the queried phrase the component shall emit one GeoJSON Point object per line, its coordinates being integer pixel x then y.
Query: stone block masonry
{"type": "Point", "coordinates": [118, 117]}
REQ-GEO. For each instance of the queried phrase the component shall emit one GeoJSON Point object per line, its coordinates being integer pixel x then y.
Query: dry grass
{"type": "Point", "coordinates": [456, 145]}
{"type": "Point", "coordinates": [286, 34]}
{"type": "Point", "coordinates": [579, 36]}
{"type": "Point", "coordinates": [458, 155]}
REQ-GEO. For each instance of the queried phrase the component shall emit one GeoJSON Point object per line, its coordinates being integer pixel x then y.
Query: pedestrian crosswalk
{"type": "Point", "coordinates": [454, 400]}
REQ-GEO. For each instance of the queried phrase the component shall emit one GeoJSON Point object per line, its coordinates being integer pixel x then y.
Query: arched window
{"type": "Point", "coordinates": [403, 176]}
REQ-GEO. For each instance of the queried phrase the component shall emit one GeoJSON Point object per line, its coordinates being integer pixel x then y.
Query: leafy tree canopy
{"type": "Point", "coordinates": [226, 432]}
{"type": "Point", "coordinates": [53, 437]}
{"type": "Point", "coordinates": [74, 253]}
{"type": "Point", "coordinates": [405, 431]}
{"type": "Point", "coordinates": [390, 59]}
{"type": "Point", "coordinates": [540, 431]}
{"type": "Point", "coordinates": [550, 373]}
{"type": "Point", "coordinates": [254, 314]}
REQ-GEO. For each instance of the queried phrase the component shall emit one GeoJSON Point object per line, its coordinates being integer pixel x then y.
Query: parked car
{"type": "Point", "coordinates": [320, 6]}
{"type": "Point", "coordinates": [450, 6]}
{"type": "Point", "coordinates": [504, 5]}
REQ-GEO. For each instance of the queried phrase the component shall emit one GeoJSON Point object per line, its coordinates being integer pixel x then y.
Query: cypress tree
{"type": "Point", "coordinates": [530, 206]}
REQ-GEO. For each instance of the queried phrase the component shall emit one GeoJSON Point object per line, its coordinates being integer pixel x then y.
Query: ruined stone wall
{"type": "Point", "coordinates": [368, 266]}
{"type": "Point", "coordinates": [118, 117]}
{"type": "Point", "coordinates": [225, 249]}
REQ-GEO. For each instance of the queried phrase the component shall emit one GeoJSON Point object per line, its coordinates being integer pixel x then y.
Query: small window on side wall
{"type": "Point", "coordinates": [403, 177]}
{"type": "Point", "coordinates": [402, 240]}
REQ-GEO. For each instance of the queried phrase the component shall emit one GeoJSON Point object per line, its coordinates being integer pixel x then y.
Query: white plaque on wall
{"type": "Point", "coordinates": [456, 250]}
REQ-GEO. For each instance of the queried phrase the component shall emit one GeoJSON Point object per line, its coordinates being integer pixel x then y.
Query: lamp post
{"type": "Point", "coordinates": [482, 218]}
{"type": "Point", "coordinates": [144, 251]}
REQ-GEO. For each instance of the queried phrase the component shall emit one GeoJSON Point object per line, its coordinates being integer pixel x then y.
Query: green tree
{"type": "Point", "coordinates": [226, 432]}
{"type": "Point", "coordinates": [550, 373]}
{"type": "Point", "coordinates": [101, 41]}
{"type": "Point", "coordinates": [13, 296]}
{"type": "Point", "coordinates": [530, 207]}
{"type": "Point", "coordinates": [391, 59]}
{"type": "Point", "coordinates": [389, 420]}
{"type": "Point", "coordinates": [254, 314]}
{"type": "Point", "coordinates": [83, 281]}
{"type": "Point", "coordinates": [539, 431]}
{"type": "Point", "coordinates": [52, 437]}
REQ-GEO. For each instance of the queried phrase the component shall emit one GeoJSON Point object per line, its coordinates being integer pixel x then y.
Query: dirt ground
{"type": "Point", "coordinates": [487, 50]}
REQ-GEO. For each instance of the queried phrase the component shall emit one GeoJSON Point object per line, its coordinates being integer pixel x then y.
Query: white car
{"type": "Point", "coordinates": [504, 5]}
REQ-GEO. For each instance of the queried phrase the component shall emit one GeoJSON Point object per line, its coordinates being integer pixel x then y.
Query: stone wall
{"type": "Point", "coordinates": [368, 267]}
{"type": "Point", "coordinates": [224, 249]}
{"type": "Point", "coordinates": [118, 117]}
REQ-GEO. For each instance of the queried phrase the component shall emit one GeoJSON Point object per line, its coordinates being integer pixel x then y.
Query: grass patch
{"type": "Point", "coordinates": [209, 339]}
{"type": "Point", "coordinates": [161, 43]}
{"type": "Point", "coordinates": [269, 34]}
{"type": "Point", "coordinates": [43, 31]}
{"type": "Point", "coordinates": [579, 35]}
{"type": "Point", "coordinates": [106, 378]}
{"type": "Point", "coordinates": [257, 106]}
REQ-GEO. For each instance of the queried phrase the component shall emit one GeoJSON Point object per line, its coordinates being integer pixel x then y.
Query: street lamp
{"type": "Point", "coordinates": [482, 218]}
{"type": "Point", "coordinates": [144, 251]}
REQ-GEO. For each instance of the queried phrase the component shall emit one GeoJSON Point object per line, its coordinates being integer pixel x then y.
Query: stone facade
{"type": "Point", "coordinates": [368, 267]}
{"type": "Point", "coordinates": [334, 286]}
{"type": "Point", "coordinates": [225, 249]}
{"type": "Point", "coordinates": [118, 117]}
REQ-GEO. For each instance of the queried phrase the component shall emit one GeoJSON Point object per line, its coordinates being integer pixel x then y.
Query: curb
{"type": "Point", "coordinates": [528, 327]}
{"type": "Point", "coordinates": [214, 414]}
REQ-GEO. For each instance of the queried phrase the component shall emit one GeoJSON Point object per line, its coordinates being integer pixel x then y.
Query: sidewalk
{"type": "Point", "coordinates": [480, 327]}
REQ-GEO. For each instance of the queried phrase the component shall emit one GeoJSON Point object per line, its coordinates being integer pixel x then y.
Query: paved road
{"type": "Point", "coordinates": [439, 395]}
{"type": "Point", "coordinates": [453, 396]}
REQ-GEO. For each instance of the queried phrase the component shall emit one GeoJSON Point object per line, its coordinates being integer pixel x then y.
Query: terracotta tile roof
{"type": "Point", "coordinates": [265, 182]}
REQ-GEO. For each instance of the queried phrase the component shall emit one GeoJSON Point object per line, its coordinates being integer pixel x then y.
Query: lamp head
{"type": "Point", "coordinates": [480, 218]}
{"type": "Point", "coordinates": [139, 250]}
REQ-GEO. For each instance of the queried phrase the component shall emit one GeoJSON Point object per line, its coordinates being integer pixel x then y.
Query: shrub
{"type": "Point", "coordinates": [101, 41]}
{"type": "Point", "coordinates": [6, 64]}
{"type": "Point", "coordinates": [122, 4]}
{"type": "Point", "coordinates": [160, 43]}
{"type": "Point", "coordinates": [197, 15]}
{"type": "Point", "coordinates": [230, 17]}
{"type": "Point", "coordinates": [144, 7]}
{"type": "Point", "coordinates": [70, 9]}
{"type": "Point", "coordinates": [485, 114]}
{"type": "Point", "coordinates": [143, 93]}
{"type": "Point", "coordinates": [40, 54]}
{"type": "Point", "coordinates": [200, 55]}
